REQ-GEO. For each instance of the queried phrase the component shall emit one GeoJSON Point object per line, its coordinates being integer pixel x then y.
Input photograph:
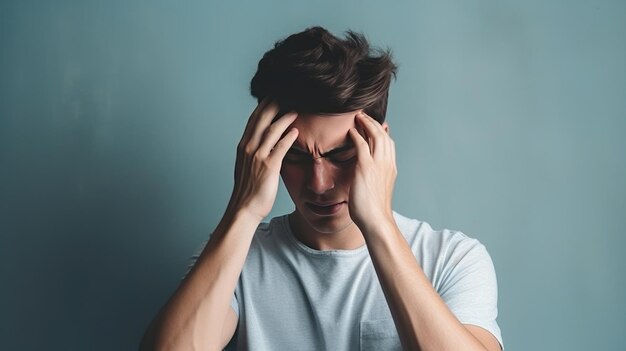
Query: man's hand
{"type": "Point", "coordinates": [198, 315]}
{"type": "Point", "coordinates": [259, 156]}
{"type": "Point", "coordinates": [374, 174]}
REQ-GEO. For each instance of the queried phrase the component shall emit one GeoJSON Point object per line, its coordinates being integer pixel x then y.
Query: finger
{"type": "Point", "coordinates": [282, 146]}
{"type": "Point", "coordinates": [266, 101]}
{"type": "Point", "coordinates": [378, 137]}
{"type": "Point", "coordinates": [259, 112]}
{"type": "Point", "coordinates": [254, 116]}
{"type": "Point", "coordinates": [362, 147]}
{"type": "Point", "coordinates": [264, 119]}
{"type": "Point", "coordinates": [368, 131]}
{"type": "Point", "coordinates": [258, 128]}
{"type": "Point", "coordinates": [274, 133]}
{"type": "Point", "coordinates": [371, 126]}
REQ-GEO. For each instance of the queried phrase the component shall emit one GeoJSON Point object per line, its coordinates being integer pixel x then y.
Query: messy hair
{"type": "Point", "coordinates": [315, 72]}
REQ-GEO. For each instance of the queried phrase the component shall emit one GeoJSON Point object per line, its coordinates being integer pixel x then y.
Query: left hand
{"type": "Point", "coordinates": [374, 174]}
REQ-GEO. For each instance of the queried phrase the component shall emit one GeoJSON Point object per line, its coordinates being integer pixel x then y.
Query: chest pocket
{"type": "Point", "coordinates": [379, 335]}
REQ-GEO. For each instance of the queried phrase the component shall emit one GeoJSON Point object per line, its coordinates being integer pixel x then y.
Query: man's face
{"type": "Point", "coordinates": [318, 171]}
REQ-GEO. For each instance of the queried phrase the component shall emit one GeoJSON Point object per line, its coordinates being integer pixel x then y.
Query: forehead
{"type": "Point", "coordinates": [323, 131]}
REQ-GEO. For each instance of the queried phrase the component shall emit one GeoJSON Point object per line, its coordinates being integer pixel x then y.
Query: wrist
{"type": "Point", "coordinates": [373, 216]}
{"type": "Point", "coordinates": [242, 210]}
{"type": "Point", "coordinates": [376, 225]}
{"type": "Point", "coordinates": [238, 217]}
{"type": "Point", "coordinates": [248, 215]}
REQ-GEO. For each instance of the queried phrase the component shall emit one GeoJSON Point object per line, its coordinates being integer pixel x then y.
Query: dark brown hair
{"type": "Point", "coordinates": [316, 72]}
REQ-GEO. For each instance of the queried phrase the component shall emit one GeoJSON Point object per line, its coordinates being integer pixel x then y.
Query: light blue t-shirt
{"type": "Point", "coordinates": [292, 297]}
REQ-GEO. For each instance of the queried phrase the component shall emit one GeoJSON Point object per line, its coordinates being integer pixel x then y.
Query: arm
{"type": "Point", "coordinates": [198, 316]}
{"type": "Point", "coordinates": [423, 320]}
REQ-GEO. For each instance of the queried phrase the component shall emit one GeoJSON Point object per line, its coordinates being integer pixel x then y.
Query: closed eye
{"type": "Point", "coordinates": [297, 156]}
{"type": "Point", "coordinates": [345, 156]}
{"type": "Point", "coordinates": [341, 155]}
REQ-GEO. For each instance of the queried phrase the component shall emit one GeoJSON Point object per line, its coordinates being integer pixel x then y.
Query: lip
{"type": "Point", "coordinates": [327, 209]}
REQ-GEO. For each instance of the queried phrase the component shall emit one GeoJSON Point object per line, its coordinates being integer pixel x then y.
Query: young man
{"type": "Point", "coordinates": [343, 271]}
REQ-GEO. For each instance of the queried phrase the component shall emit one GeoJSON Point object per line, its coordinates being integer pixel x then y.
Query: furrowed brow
{"type": "Point", "coordinates": [331, 152]}
{"type": "Point", "coordinates": [295, 150]}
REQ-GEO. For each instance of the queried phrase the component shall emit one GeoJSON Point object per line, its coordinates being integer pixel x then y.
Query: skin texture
{"type": "Point", "coordinates": [313, 179]}
{"type": "Point", "coordinates": [363, 186]}
{"type": "Point", "coordinates": [358, 182]}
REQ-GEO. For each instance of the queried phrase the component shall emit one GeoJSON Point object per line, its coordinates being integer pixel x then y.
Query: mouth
{"type": "Point", "coordinates": [325, 209]}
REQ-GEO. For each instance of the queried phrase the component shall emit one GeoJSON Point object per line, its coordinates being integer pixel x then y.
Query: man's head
{"type": "Point", "coordinates": [327, 81]}
{"type": "Point", "coordinates": [315, 72]}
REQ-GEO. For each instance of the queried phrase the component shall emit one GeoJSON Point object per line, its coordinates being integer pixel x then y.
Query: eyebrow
{"type": "Point", "coordinates": [330, 152]}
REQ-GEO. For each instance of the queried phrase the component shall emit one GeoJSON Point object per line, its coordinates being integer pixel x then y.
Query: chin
{"type": "Point", "coordinates": [328, 225]}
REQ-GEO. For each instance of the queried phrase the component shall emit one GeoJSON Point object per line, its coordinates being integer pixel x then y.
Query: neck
{"type": "Point", "coordinates": [347, 238]}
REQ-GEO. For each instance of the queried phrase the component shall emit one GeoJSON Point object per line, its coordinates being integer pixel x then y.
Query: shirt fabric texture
{"type": "Point", "coordinates": [292, 297]}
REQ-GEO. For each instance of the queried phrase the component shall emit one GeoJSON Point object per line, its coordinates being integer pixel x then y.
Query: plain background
{"type": "Point", "coordinates": [119, 121]}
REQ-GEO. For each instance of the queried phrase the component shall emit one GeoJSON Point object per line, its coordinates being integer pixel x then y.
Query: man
{"type": "Point", "coordinates": [343, 271]}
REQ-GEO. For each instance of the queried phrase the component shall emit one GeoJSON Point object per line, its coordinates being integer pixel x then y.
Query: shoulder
{"type": "Point", "coordinates": [271, 235]}
{"type": "Point", "coordinates": [430, 244]}
{"type": "Point", "coordinates": [265, 233]}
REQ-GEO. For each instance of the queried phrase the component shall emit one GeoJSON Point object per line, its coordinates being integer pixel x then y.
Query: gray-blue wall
{"type": "Point", "coordinates": [119, 119]}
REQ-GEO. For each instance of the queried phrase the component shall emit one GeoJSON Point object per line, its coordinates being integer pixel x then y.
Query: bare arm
{"type": "Point", "coordinates": [194, 317]}
{"type": "Point", "coordinates": [423, 320]}
{"type": "Point", "coordinates": [198, 316]}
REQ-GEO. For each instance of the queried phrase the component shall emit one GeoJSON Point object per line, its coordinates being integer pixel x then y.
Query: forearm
{"type": "Point", "coordinates": [422, 318]}
{"type": "Point", "coordinates": [194, 316]}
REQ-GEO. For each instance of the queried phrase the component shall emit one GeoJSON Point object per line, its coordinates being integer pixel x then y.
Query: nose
{"type": "Point", "coordinates": [320, 178]}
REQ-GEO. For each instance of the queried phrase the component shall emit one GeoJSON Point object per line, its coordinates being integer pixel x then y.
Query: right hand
{"type": "Point", "coordinates": [259, 157]}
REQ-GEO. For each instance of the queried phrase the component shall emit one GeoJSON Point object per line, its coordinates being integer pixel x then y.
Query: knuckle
{"type": "Point", "coordinates": [263, 163]}
{"type": "Point", "coordinates": [257, 157]}
{"type": "Point", "coordinates": [249, 150]}
{"type": "Point", "coordinates": [271, 129]}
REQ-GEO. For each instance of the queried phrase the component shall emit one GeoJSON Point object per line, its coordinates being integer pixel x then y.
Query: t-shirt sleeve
{"type": "Point", "coordinates": [192, 261]}
{"type": "Point", "coordinates": [469, 286]}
